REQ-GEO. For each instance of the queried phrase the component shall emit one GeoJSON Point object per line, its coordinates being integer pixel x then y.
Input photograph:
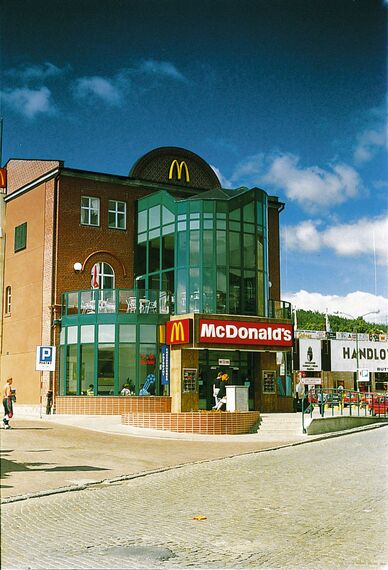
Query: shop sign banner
{"type": "Point", "coordinates": [371, 355]}
{"type": "Point", "coordinates": [165, 365]}
{"type": "Point", "coordinates": [310, 355]}
{"type": "Point", "coordinates": [179, 332]}
{"type": "Point", "coordinates": [240, 332]}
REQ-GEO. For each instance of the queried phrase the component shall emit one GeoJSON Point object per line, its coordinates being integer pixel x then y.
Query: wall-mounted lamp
{"type": "Point", "coordinates": [77, 266]}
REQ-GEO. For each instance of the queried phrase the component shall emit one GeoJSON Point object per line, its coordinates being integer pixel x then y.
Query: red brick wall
{"type": "Point", "coordinates": [111, 405]}
{"type": "Point", "coordinates": [216, 423]}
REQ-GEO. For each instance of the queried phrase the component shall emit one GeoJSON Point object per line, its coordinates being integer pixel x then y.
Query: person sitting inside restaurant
{"type": "Point", "coordinates": [90, 390]}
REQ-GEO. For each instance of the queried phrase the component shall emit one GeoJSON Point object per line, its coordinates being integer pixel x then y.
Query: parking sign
{"type": "Point", "coordinates": [45, 358]}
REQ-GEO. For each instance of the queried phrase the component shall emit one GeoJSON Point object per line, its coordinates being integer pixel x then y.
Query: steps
{"type": "Point", "coordinates": [279, 427]}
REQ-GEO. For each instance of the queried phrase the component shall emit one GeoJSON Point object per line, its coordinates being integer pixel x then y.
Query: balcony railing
{"type": "Point", "coordinates": [103, 301]}
{"type": "Point", "coordinates": [279, 310]}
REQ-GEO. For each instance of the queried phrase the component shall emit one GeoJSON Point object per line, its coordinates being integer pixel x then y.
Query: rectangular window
{"type": "Point", "coordinates": [117, 215]}
{"type": "Point", "coordinates": [90, 211]}
{"type": "Point", "coordinates": [20, 237]}
{"type": "Point", "coordinates": [8, 301]}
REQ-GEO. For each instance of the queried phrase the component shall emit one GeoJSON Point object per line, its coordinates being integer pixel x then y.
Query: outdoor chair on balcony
{"type": "Point", "coordinates": [131, 304]}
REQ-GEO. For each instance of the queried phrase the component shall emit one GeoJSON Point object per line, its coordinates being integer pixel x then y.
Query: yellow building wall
{"type": "Point", "coordinates": [22, 329]}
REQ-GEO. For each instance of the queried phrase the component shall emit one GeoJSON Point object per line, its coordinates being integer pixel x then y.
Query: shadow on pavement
{"type": "Point", "coordinates": [9, 466]}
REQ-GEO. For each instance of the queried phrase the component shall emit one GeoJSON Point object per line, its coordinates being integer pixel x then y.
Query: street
{"type": "Point", "coordinates": [317, 505]}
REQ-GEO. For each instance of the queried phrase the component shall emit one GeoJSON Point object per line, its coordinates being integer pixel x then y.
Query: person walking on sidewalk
{"type": "Point", "coordinates": [7, 403]}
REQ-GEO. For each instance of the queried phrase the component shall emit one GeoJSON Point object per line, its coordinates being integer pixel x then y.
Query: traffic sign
{"type": "Point", "coordinates": [45, 357]}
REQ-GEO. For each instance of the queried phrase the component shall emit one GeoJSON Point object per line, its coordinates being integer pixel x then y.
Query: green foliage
{"type": "Point", "coordinates": [315, 321]}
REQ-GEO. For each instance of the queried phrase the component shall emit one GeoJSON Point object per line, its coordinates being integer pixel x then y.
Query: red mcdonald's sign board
{"type": "Point", "coordinates": [240, 332]}
{"type": "Point", "coordinates": [179, 332]}
{"type": "Point", "coordinates": [3, 178]}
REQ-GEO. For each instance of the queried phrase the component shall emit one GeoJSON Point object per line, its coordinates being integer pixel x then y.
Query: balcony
{"type": "Point", "coordinates": [116, 301]}
{"type": "Point", "coordinates": [279, 310]}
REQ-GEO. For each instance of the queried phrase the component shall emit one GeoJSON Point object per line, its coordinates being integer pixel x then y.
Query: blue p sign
{"type": "Point", "coordinates": [45, 358]}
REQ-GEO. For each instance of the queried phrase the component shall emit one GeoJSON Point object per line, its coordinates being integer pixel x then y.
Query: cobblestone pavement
{"type": "Point", "coordinates": [318, 505]}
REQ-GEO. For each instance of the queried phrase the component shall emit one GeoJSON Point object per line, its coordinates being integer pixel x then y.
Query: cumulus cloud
{"type": "Point", "coordinates": [313, 187]}
{"type": "Point", "coordinates": [355, 304]}
{"type": "Point", "coordinates": [369, 143]}
{"type": "Point", "coordinates": [99, 88]}
{"type": "Point", "coordinates": [161, 68]}
{"type": "Point", "coordinates": [363, 237]}
{"type": "Point", "coordinates": [225, 183]}
{"type": "Point", "coordinates": [38, 72]}
{"type": "Point", "coordinates": [29, 102]}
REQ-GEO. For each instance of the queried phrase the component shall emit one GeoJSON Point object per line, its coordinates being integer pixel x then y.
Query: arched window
{"type": "Point", "coordinates": [7, 308]}
{"type": "Point", "coordinates": [102, 276]}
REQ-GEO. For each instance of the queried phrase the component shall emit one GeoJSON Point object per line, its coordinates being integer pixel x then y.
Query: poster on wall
{"type": "Point", "coordinates": [190, 380]}
{"type": "Point", "coordinates": [165, 365]}
{"type": "Point", "coordinates": [310, 355]}
{"type": "Point", "coordinates": [371, 355]}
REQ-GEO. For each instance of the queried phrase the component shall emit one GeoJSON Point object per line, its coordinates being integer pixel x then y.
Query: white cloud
{"type": "Point", "coordinates": [304, 236]}
{"type": "Point", "coordinates": [37, 72]}
{"type": "Point", "coordinates": [98, 87]}
{"type": "Point", "coordinates": [313, 187]}
{"type": "Point", "coordinates": [225, 183]}
{"type": "Point", "coordinates": [355, 304]}
{"type": "Point", "coordinates": [161, 68]}
{"type": "Point", "coordinates": [29, 102]}
{"type": "Point", "coordinates": [364, 237]}
{"type": "Point", "coordinates": [369, 143]}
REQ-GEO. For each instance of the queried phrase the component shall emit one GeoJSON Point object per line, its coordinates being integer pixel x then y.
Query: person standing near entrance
{"type": "Point", "coordinates": [299, 394]}
{"type": "Point", "coordinates": [7, 403]}
{"type": "Point", "coordinates": [222, 393]}
{"type": "Point", "coordinates": [216, 389]}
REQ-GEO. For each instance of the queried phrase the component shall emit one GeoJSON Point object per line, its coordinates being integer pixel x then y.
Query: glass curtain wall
{"type": "Point", "coordinates": [211, 254]}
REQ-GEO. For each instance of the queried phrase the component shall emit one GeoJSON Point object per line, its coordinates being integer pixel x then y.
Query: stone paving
{"type": "Point", "coordinates": [317, 505]}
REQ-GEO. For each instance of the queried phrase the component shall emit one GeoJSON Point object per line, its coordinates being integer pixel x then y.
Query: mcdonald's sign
{"type": "Point", "coordinates": [179, 332]}
{"type": "Point", "coordinates": [3, 178]}
{"type": "Point", "coordinates": [179, 167]}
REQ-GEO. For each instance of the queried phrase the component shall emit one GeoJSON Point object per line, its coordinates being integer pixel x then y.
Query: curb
{"type": "Point", "coordinates": [121, 478]}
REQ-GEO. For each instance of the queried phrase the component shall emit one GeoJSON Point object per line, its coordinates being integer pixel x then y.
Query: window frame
{"type": "Point", "coordinates": [89, 209]}
{"type": "Point", "coordinates": [20, 237]}
{"type": "Point", "coordinates": [7, 300]}
{"type": "Point", "coordinates": [117, 213]}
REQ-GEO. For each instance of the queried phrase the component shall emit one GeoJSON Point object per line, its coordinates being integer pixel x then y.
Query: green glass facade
{"type": "Point", "coordinates": [210, 251]}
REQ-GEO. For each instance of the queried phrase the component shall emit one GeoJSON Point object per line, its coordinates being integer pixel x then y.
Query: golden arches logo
{"type": "Point", "coordinates": [177, 333]}
{"type": "Point", "coordinates": [3, 178]}
{"type": "Point", "coordinates": [179, 167]}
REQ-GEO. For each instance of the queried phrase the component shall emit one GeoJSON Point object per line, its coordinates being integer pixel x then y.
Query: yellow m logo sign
{"type": "Point", "coordinates": [179, 167]}
{"type": "Point", "coordinates": [3, 178]}
{"type": "Point", "coordinates": [177, 332]}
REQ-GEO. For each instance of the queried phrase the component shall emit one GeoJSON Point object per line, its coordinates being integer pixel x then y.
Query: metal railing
{"type": "Point", "coordinates": [329, 402]}
{"type": "Point", "coordinates": [99, 301]}
{"type": "Point", "coordinates": [279, 309]}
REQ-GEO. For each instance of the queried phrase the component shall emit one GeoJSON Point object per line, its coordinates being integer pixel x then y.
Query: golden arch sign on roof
{"type": "Point", "coordinates": [175, 166]}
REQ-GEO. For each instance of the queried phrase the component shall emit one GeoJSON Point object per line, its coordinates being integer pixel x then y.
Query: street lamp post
{"type": "Point", "coordinates": [357, 346]}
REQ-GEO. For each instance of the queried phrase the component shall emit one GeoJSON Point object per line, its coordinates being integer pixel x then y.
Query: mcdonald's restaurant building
{"type": "Point", "coordinates": [157, 280]}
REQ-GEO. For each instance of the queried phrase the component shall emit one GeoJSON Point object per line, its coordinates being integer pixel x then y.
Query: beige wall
{"type": "Point", "coordinates": [2, 251]}
{"type": "Point", "coordinates": [22, 329]}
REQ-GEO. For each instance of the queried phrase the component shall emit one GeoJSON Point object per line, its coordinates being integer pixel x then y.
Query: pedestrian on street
{"type": "Point", "coordinates": [299, 394]}
{"type": "Point", "coordinates": [7, 403]}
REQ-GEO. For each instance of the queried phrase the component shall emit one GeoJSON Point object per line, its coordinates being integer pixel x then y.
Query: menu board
{"type": "Point", "coordinates": [269, 381]}
{"type": "Point", "coordinates": [189, 379]}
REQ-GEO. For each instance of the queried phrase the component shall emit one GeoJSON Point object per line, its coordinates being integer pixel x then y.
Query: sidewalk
{"type": "Point", "coordinates": [64, 451]}
{"type": "Point", "coordinates": [68, 452]}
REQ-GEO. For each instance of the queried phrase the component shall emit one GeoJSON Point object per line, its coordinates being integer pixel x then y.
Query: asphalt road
{"type": "Point", "coordinates": [320, 505]}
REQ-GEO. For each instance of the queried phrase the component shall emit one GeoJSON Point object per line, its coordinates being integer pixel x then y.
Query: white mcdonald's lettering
{"type": "Point", "coordinates": [210, 330]}
{"type": "Point", "coordinates": [179, 167]}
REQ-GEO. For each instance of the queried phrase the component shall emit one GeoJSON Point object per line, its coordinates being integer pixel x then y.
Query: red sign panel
{"type": "Point", "coordinates": [237, 332]}
{"type": "Point", "coordinates": [179, 332]}
{"type": "Point", "coordinates": [3, 178]}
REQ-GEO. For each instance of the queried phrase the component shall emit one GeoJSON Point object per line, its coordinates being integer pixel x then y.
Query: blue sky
{"type": "Point", "coordinates": [287, 95]}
